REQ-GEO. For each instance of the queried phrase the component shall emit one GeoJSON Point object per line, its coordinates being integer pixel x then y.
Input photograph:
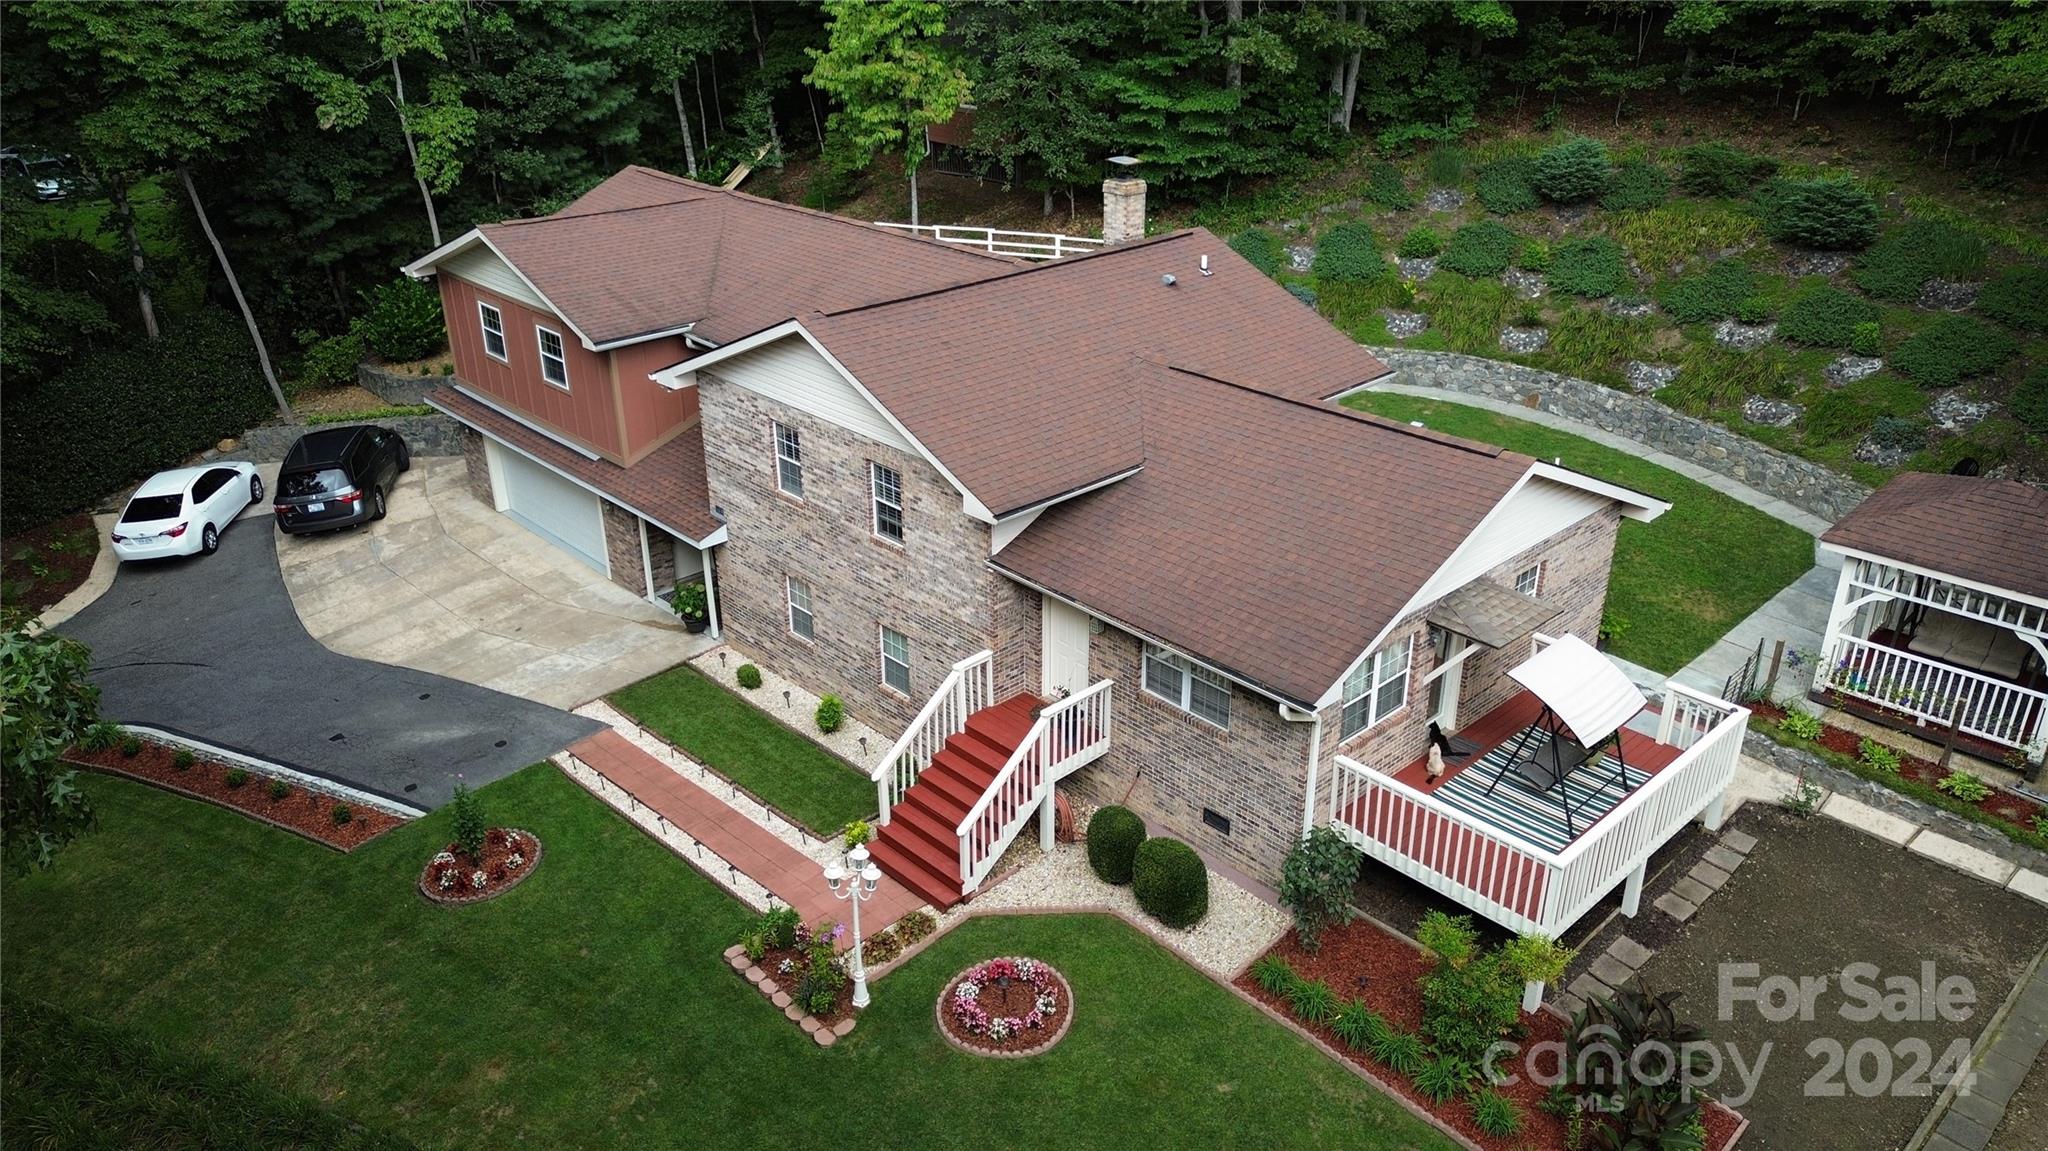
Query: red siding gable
{"type": "Point", "coordinates": [587, 412]}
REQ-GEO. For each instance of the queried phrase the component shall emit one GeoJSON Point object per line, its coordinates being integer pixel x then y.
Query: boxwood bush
{"type": "Point", "coordinates": [1589, 267]}
{"type": "Point", "coordinates": [1825, 317]}
{"type": "Point", "coordinates": [2029, 401]}
{"type": "Point", "coordinates": [1114, 835]}
{"type": "Point", "coordinates": [1508, 185]}
{"type": "Point", "coordinates": [1481, 249]}
{"type": "Point", "coordinates": [1636, 186]}
{"type": "Point", "coordinates": [1575, 170]}
{"type": "Point", "coordinates": [1349, 254]}
{"type": "Point", "coordinates": [1716, 169]}
{"type": "Point", "coordinates": [1907, 257]}
{"type": "Point", "coordinates": [1831, 214]}
{"type": "Point", "coordinates": [1951, 349]}
{"type": "Point", "coordinates": [831, 713]}
{"type": "Point", "coordinates": [1713, 294]}
{"type": "Point", "coordinates": [1170, 883]}
{"type": "Point", "coordinates": [749, 676]}
{"type": "Point", "coordinates": [1420, 244]}
{"type": "Point", "coordinates": [2018, 299]}
{"type": "Point", "coordinates": [1259, 249]}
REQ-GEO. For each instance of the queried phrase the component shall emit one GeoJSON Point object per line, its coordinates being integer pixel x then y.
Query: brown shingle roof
{"type": "Point", "coordinates": [1990, 531]}
{"type": "Point", "coordinates": [1022, 384]}
{"type": "Point", "coordinates": [667, 485]}
{"type": "Point", "coordinates": [1273, 538]}
{"type": "Point", "coordinates": [646, 252]}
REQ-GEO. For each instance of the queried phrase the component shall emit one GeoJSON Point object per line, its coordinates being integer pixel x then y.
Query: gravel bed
{"type": "Point", "coordinates": [1644, 377]}
{"type": "Point", "coordinates": [1524, 283]}
{"type": "Point", "coordinates": [1743, 337]}
{"type": "Point", "coordinates": [1771, 413]}
{"type": "Point", "coordinates": [1630, 306]}
{"type": "Point", "coordinates": [1948, 295]}
{"type": "Point", "coordinates": [1443, 200]}
{"type": "Point", "coordinates": [1416, 267]}
{"type": "Point", "coordinates": [1849, 369]}
{"type": "Point", "coordinates": [1300, 257]}
{"type": "Point", "coordinates": [1402, 325]}
{"type": "Point", "coordinates": [1524, 339]}
{"type": "Point", "coordinates": [1954, 411]}
{"type": "Point", "coordinates": [803, 705]}
{"type": "Point", "coordinates": [1872, 452]}
{"type": "Point", "coordinates": [1806, 263]}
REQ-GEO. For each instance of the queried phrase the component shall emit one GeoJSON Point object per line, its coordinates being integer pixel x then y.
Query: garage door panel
{"type": "Point", "coordinates": [554, 508]}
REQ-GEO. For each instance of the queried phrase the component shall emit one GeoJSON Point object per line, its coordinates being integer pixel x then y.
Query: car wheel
{"type": "Point", "coordinates": [209, 540]}
{"type": "Point", "coordinates": [404, 456]}
{"type": "Point", "coordinates": [377, 504]}
{"type": "Point", "coordinates": [255, 490]}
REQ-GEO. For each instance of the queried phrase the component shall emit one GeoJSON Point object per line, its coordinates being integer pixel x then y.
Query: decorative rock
{"type": "Point", "coordinates": [755, 974]}
{"type": "Point", "coordinates": [739, 961]}
{"type": "Point", "coordinates": [227, 445]}
{"type": "Point", "coordinates": [1300, 256]}
{"type": "Point", "coordinates": [1416, 267]}
{"type": "Point", "coordinates": [1644, 378]}
{"type": "Point", "coordinates": [1524, 340]}
{"type": "Point", "coordinates": [1955, 411]}
{"type": "Point", "coordinates": [1948, 295]}
{"type": "Point", "coordinates": [780, 999]}
{"type": "Point", "coordinates": [1872, 452]}
{"type": "Point", "coordinates": [1443, 199]}
{"type": "Point", "coordinates": [1771, 413]}
{"type": "Point", "coordinates": [843, 1027]}
{"type": "Point", "coordinates": [824, 1037]}
{"type": "Point", "coordinates": [1402, 325]}
{"type": "Point", "coordinates": [1848, 369]}
{"type": "Point", "coordinates": [808, 1022]}
{"type": "Point", "coordinates": [1743, 337]}
{"type": "Point", "coordinates": [1630, 306]}
{"type": "Point", "coordinates": [1526, 284]}
{"type": "Point", "coordinates": [1805, 263]}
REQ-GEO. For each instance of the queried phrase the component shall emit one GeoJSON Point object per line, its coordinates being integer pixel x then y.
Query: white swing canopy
{"type": "Point", "coordinates": [1582, 688]}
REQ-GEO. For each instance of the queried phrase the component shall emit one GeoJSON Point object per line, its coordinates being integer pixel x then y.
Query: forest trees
{"type": "Point", "coordinates": [887, 64]}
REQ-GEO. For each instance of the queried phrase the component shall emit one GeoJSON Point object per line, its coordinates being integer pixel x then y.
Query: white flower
{"type": "Point", "coordinates": [447, 880]}
{"type": "Point", "coordinates": [516, 860]}
{"type": "Point", "coordinates": [968, 989]}
{"type": "Point", "coordinates": [477, 879]}
{"type": "Point", "coordinates": [1046, 1003]}
{"type": "Point", "coordinates": [445, 857]}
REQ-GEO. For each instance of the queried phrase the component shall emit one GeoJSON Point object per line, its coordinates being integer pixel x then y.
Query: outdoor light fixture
{"type": "Point", "coordinates": [866, 878]}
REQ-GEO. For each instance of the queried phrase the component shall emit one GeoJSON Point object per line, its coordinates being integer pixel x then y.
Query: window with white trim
{"type": "Point", "coordinates": [802, 623]}
{"type": "Point", "coordinates": [789, 459]}
{"type": "Point", "coordinates": [493, 322]}
{"type": "Point", "coordinates": [1377, 688]}
{"type": "Point", "coordinates": [1530, 580]}
{"type": "Point", "coordinates": [1187, 685]}
{"type": "Point", "coordinates": [554, 361]}
{"type": "Point", "coordinates": [896, 660]}
{"type": "Point", "coordinates": [888, 488]}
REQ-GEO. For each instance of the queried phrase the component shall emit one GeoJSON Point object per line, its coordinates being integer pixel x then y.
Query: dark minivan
{"type": "Point", "coordinates": [335, 477]}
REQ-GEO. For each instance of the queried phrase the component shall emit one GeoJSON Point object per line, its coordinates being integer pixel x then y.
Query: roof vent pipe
{"type": "Point", "coordinates": [1205, 265]}
{"type": "Point", "coordinates": [1168, 280]}
{"type": "Point", "coordinates": [1123, 203]}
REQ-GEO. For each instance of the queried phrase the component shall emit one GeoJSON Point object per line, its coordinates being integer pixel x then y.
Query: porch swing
{"type": "Point", "coordinates": [1586, 701]}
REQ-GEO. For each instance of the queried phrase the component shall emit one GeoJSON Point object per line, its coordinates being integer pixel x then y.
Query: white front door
{"type": "Point", "coordinates": [1064, 648]}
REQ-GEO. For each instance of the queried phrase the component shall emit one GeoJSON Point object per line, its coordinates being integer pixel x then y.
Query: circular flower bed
{"type": "Point", "coordinates": [454, 876]}
{"type": "Point", "coordinates": [1008, 1007]}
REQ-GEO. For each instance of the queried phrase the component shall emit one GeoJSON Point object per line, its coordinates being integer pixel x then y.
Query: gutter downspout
{"type": "Point", "coordinates": [711, 593]}
{"type": "Point", "coordinates": [1315, 746]}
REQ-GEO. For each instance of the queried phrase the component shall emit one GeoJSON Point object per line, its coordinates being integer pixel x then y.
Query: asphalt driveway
{"type": "Point", "coordinates": [211, 648]}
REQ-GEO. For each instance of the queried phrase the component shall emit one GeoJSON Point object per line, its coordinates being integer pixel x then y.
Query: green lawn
{"type": "Point", "coordinates": [737, 740]}
{"type": "Point", "coordinates": [590, 1006]}
{"type": "Point", "coordinates": [1679, 583]}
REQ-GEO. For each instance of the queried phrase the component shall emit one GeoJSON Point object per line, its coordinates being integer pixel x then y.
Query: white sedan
{"type": "Point", "coordinates": [181, 512]}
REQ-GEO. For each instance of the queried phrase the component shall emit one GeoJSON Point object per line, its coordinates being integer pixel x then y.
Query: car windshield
{"type": "Point", "coordinates": [313, 483]}
{"type": "Point", "coordinates": [143, 509]}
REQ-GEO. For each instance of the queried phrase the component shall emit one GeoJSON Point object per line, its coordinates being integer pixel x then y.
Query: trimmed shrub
{"type": "Point", "coordinates": [279, 789]}
{"type": "Point", "coordinates": [2018, 299]}
{"type": "Point", "coordinates": [1383, 186]}
{"type": "Point", "coordinates": [1114, 834]}
{"type": "Point", "coordinates": [1507, 185]}
{"type": "Point", "coordinates": [1825, 317]}
{"type": "Point", "coordinates": [402, 320]}
{"type": "Point", "coordinates": [1714, 294]}
{"type": "Point", "coordinates": [1716, 169]}
{"type": "Point", "coordinates": [831, 713]}
{"type": "Point", "coordinates": [749, 676]}
{"type": "Point", "coordinates": [468, 824]}
{"type": "Point", "coordinates": [1591, 267]}
{"type": "Point", "coordinates": [1754, 310]}
{"type": "Point", "coordinates": [184, 759]}
{"type": "Point", "coordinates": [1170, 882]}
{"type": "Point", "coordinates": [1315, 884]}
{"type": "Point", "coordinates": [1828, 214]}
{"type": "Point", "coordinates": [1636, 186]}
{"type": "Point", "coordinates": [1349, 254]}
{"type": "Point", "coordinates": [235, 778]}
{"type": "Point", "coordinates": [1867, 339]}
{"type": "Point", "coordinates": [342, 814]}
{"type": "Point", "coordinates": [1953, 348]}
{"type": "Point", "coordinates": [1421, 244]}
{"type": "Point", "coordinates": [130, 747]}
{"type": "Point", "coordinates": [1259, 249]}
{"type": "Point", "coordinates": [2029, 401]}
{"type": "Point", "coordinates": [1575, 170]}
{"type": "Point", "coordinates": [1908, 256]}
{"type": "Point", "coordinates": [1481, 249]}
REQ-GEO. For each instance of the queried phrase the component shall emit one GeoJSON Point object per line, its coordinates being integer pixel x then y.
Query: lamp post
{"type": "Point", "coordinates": [865, 876]}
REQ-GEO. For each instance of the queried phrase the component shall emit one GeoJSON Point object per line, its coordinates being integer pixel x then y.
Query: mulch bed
{"type": "Point", "coordinates": [771, 962]}
{"type": "Point", "coordinates": [1360, 960]}
{"type": "Point", "coordinates": [308, 813]}
{"type": "Point", "coordinates": [2001, 803]}
{"type": "Point", "coordinates": [510, 854]}
{"type": "Point", "coordinates": [43, 564]}
{"type": "Point", "coordinates": [1017, 1000]}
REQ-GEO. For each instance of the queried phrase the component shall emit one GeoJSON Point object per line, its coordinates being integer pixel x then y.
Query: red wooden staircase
{"type": "Point", "coordinates": [920, 847]}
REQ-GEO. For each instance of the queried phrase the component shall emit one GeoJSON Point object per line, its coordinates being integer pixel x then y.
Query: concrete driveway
{"type": "Point", "coordinates": [446, 584]}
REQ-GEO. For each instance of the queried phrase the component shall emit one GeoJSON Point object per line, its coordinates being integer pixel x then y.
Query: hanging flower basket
{"type": "Point", "coordinates": [1008, 1007]}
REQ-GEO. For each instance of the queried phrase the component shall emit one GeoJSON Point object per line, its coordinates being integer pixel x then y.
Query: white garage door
{"type": "Point", "coordinates": [552, 506]}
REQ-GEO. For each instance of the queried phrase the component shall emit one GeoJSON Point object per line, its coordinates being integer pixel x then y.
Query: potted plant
{"type": "Point", "coordinates": [688, 602]}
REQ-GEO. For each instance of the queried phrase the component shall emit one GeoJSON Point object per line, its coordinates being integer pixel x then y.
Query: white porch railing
{"type": "Point", "coordinates": [1025, 245]}
{"type": "Point", "coordinates": [1068, 735]}
{"type": "Point", "coordinates": [1933, 693]}
{"type": "Point", "coordinates": [969, 688]}
{"type": "Point", "coordinates": [1518, 885]}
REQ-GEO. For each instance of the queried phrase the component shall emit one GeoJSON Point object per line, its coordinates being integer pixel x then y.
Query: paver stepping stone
{"type": "Point", "coordinates": [1740, 842]}
{"type": "Point", "coordinates": [1675, 907]}
{"type": "Point", "coordinates": [1722, 858]}
{"type": "Point", "coordinates": [1707, 875]}
{"type": "Point", "coordinates": [1691, 890]}
{"type": "Point", "coordinates": [1611, 971]}
{"type": "Point", "coordinates": [1629, 952]}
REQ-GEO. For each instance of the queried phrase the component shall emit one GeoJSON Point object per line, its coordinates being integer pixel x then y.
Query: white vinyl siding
{"type": "Point", "coordinates": [887, 484]}
{"type": "Point", "coordinates": [802, 623]}
{"type": "Point", "coordinates": [1537, 511]}
{"type": "Point", "coordinates": [554, 363]}
{"type": "Point", "coordinates": [1187, 685]}
{"type": "Point", "coordinates": [493, 323]}
{"type": "Point", "coordinates": [482, 267]}
{"type": "Point", "coordinates": [790, 371]}
{"type": "Point", "coordinates": [1378, 688]}
{"type": "Point", "coordinates": [896, 660]}
{"type": "Point", "coordinates": [789, 459]}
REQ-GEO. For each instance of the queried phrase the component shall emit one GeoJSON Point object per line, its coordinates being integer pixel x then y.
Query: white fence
{"type": "Point", "coordinates": [1067, 735]}
{"type": "Point", "coordinates": [969, 688]}
{"type": "Point", "coordinates": [1933, 693]}
{"type": "Point", "coordinates": [1024, 245]}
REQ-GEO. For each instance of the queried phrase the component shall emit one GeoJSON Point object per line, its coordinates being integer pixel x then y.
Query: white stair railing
{"type": "Point", "coordinates": [1024, 245]}
{"type": "Point", "coordinates": [1066, 736]}
{"type": "Point", "coordinates": [967, 689]}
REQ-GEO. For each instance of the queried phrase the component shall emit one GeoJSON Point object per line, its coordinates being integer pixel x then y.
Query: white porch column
{"type": "Point", "coordinates": [1047, 817]}
{"type": "Point", "coordinates": [1632, 891]}
{"type": "Point", "coordinates": [1716, 811]}
{"type": "Point", "coordinates": [1532, 996]}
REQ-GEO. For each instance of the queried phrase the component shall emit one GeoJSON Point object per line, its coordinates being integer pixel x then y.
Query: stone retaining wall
{"type": "Point", "coordinates": [394, 389]}
{"type": "Point", "coordinates": [1802, 483]}
{"type": "Point", "coordinates": [434, 435]}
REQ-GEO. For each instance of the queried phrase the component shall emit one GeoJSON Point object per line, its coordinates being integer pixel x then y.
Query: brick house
{"type": "Point", "coordinates": [1093, 525]}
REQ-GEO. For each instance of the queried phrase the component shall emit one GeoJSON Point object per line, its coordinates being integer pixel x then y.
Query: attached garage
{"type": "Point", "coordinates": [553, 507]}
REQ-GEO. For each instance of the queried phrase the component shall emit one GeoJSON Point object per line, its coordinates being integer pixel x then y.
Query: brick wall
{"type": "Point", "coordinates": [1014, 609]}
{"type": "Point", "coordinates": [936, 589]}
{"type": "Point", "coordinates": [478, 465]}
{"type": "Point", "coordinates": [622, 547]}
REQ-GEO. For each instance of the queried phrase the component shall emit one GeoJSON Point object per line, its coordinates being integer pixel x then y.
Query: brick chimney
{"type": "Point", "coordinates": [1123, 209]}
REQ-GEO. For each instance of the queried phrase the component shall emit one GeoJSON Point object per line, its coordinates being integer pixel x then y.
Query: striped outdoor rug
{"type": "Point", "coordinates": [1518, 810]}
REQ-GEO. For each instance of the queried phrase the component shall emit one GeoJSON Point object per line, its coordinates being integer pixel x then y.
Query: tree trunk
{"type": "Point", "coordinates": [1351, 73]}
{"type": "Point", "coordinates": [1337, 74]}
{"type": "Point", "coordinates": [1047, 213]}
{"type": "Point", "coordinates": [913, 196]}
{"type": "Point", "coordinates": [811, 102]}
{"type": "Point", "coordinates": [761, 62]}
{"type": "Point", "coordinates": [703, 120]}
{"type": "Point", "coordinates": [117, 191]}
{"type": "Point", "coordinates": [716, 107]}
{"type": "Point", "coordinates": [1233, 69]}
{"type": "Point", "coordinates": [683, 118]}
{"type": "Point", "coordinates": [398, 105]}
{"type": "Point", "coordinates": [284, 407]}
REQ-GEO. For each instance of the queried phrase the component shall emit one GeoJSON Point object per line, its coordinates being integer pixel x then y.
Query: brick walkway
{"type": "Point", "coordinates": [787, 873]}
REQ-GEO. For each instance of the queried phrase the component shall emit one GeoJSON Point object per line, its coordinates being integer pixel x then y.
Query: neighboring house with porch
{"type": "Point", "coordinates": [1941, 615]}
{"type": "Point", "coordinates": [1095, 525]}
